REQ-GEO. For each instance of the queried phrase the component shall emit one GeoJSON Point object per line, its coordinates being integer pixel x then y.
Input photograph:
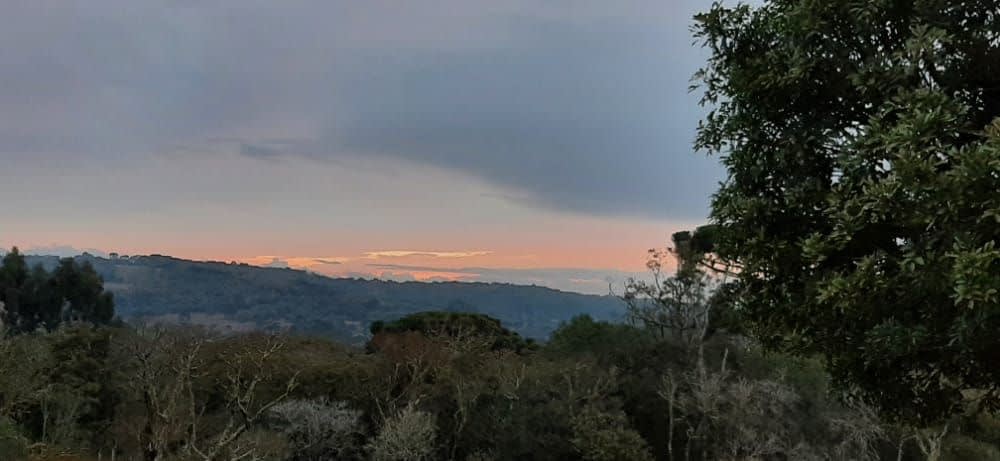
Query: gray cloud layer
{"type": "Point", "coordinates": [576, 106]}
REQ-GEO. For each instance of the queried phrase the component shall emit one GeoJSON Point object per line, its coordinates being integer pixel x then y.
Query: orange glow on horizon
{"type": "Point", "coordinates": [579, 243]}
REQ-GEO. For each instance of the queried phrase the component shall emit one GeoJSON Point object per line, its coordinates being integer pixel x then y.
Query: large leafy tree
{"type": "Point", "coordinates": [862, 203]}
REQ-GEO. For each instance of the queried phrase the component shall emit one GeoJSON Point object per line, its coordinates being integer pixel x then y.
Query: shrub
{"type": "Point", "coordinates": [408, 436]}
{"type": "Point", "coordinates": [13, 445]}
{"type": "Point", "coordinates": [318, 429]}
{"type": "Point", "coordinates": [606, 436]}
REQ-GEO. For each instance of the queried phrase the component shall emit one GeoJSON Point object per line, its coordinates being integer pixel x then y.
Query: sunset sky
{"type": "Point", "coordinates": [530, 141]}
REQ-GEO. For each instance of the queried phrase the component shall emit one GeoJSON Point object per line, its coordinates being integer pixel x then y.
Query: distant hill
{"type": "Point", "coordinates": [239, 297]}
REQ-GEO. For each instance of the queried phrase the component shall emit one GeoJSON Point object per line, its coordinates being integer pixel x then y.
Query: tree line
{"type": "Point", "coordinates": [33, 298]}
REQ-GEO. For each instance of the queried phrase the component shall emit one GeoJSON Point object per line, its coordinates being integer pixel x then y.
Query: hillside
{"type": "Point", "coordinates": [241, 297]}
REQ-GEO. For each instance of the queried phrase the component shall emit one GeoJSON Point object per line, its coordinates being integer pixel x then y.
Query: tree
{"type": "Point", "coordinates": [25, 361]}
{"type": "Point", "coordinates": [600, 435]}
{"type": "Point", "coordinates": [453, 327]}
{"type": "Point", "coordinates": [13, 275]}
{"type": "Point", "coordinates": [161, 368]}
{"type": "Point", "coordinates": [677, 306]}
{"type": "Point", "coordinates": [80, 399]}
{"type": "Point", "coordinates": [862, 202]}
{"type": "Point", "coordinates": [83, 292]}
{"type": "Point", "coordinates": [409, 435]}
{"type": "Point", "coordinates": [35, 298]}
{"type": "Point", "coordinates": [164, 368]}
{"type": "Point", "coordinates": [318, 429]}
{"type": "Point", "coordinates": [583, 335]}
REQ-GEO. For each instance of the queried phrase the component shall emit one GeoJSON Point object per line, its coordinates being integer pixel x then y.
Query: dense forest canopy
{"type": "Point", "coordinates": [462, 326]}
{"type": "Point", "coordinates": [862, 143]}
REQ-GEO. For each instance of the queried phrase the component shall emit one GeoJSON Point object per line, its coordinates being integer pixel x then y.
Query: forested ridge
{"type": "Point", "coordinates": [243, 297]}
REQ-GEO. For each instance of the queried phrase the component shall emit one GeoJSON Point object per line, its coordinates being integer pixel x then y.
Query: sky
{"type": "Point", "coordinates": [529, 141]}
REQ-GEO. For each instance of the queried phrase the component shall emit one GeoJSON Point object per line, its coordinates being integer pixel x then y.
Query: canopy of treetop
{"type": "Point", "coordinates": [33, 298]}
{"type": "Point", "coordinates": [862, 203]}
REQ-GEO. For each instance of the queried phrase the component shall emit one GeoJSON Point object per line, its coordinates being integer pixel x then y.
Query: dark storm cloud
{"type": "Point", "coordinates": [578, 107]}
{"type": "Point", "coordinates": [589, 119]}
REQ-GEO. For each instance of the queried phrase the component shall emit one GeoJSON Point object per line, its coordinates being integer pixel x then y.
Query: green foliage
{"type": "Point", "coordinates": [13, 445]}
{"type": "Point", "coordinates": [59, 388]}
{"type": "Point", "coordinates": [861, 205]}
{"type": "Point", "coordinates": [83, 386]}
{"type": "Point", "coordinates": [604, 436]}
{"type": "Point", "coordinates": [584, 335]}
{"type": "Point", "coordinates": [25, 361]}
{"type": "Point", "coordinates": [444, 323]}
{"type": "Point", "coordinates": [456, 325]}
{"type": "Point", "coordinates": [142, 393]}
{"type": "Point", "coordinates": [39, 299]}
